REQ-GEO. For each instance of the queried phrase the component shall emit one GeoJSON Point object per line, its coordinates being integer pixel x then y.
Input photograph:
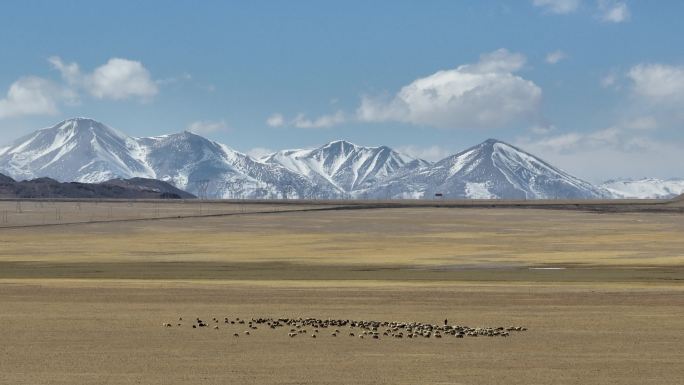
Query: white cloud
{"type": "Point", "coordinates": [609, 80]}
{"type": "Point", "coordinates": [609, 11]}
{"type": "Point", "coordinates": [622, 150]}
{"type": "Point", "coordinates": [658, 83]}
{"type": "Point", "coordinates": [324, 121]}
{"type": "Point", "coordinates": [481, 95]}
{"type": "Point", "coordinates": [275, 120]}
{"type": "Point", "coordinates": [557, 143]}
{"type": "Point", "coordinates": [70, 72]}
{"type": "Point", "coordinates": [203, 127]}
{"type": "Point", "coordinates": [555, 56]}
{"type": "Point", "coordinates": [259, 152]}
{"type": "Point", "coordinates": [657, 91]}
{"type": "Point", "coordinates": [33, 96]}
{"type": "Point", "coordinates": [654, 159]}
{"type": "Point", "coordinates": [558, 6]}
{"type": "Point", "coordinates": [302, 121]}
{"type": "Point", "coordinates": [613, 11]}
{"type": "Point", "coordinates": [542, 129]}
{"type": "Point", "coordinates": [117, 79]}
{"type": "Point", "coordinates": [430, 153]}
{"type": "Point", "coordinates": [185, 77]}
{"type": "Point", "coordinates": [642, 123]}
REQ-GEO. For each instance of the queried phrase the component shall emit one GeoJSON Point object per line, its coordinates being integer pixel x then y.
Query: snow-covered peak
{"type": "Point", "coordinates": [490, 170]}
{"type": "Point", "coordinates": [78, 149]}
{"type": "Point", "coordinates": [342, 165]}
{"type": "Point", "coordinates": [84, 126]}
{"type": "Point", "coordinates": [83, 149]}
{"type": "Point", "coordinates": [341, 146]}
{"type": "Point", "coordinates": [645, 188]}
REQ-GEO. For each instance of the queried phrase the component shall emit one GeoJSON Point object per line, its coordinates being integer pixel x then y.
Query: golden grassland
{"type": "Point", "coordinates": [410, 237]}
{"type": "Point", "coordinates": [95, 332]}
{"type": "Point", "coordinates": [84, 303]}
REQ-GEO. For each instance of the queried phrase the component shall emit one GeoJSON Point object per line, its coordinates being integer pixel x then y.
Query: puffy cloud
{"type": "Point", "coordinates": [70, 71]}
{"type": "Point", "coordinates": [613, 11]}
{"type": "Point", "coordinates": [275, 120]}
{"type": "Point", "coordinates": [430, 153]}
{"type": "Point", "coordinates": [558, 6]}
{"type": "Point", "coordinates": [33, 96]}
{"type": "Point", "coordinates": [555, 56]}
{"type": "Point", "coordinates": [657, 90]}
{"type": "Point", "coordinates": [121, 79]}
{"type": "Point", "coordinates": [658, 83]}
{"type": "Point", "coordinates": [481, 95]}
{"type": "Point", "coordinates": [117, 79]}
{"type": "Point", "coordinates": [203, 127]}
{"type": "Point", "coordinates": [324, 121]}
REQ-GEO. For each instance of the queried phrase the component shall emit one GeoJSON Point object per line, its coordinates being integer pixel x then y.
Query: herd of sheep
{"type": "Point", "coordinates": [314, 327]}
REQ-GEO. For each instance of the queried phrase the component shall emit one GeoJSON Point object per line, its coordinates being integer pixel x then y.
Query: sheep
{"type": "Point", "coordinates": [367, 328]}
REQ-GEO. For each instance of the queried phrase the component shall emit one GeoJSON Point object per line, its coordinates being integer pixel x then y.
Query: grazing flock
{"type": "Point", "coordinates": [316, 328]}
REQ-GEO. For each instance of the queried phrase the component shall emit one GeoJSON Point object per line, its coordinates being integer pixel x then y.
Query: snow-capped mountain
{"type": "Point", "coordinates": [490, 170]}
{"type": "Point", "coordinates": [80, 149]}
{"type": "Point", "coordinates": [345, 167]}
{"type": "Point", "coordinates": [645, 188]}
{"type": "Point", "coordinates": [85, 150]}
{"type": "Point", "coordinates": [188, 161]}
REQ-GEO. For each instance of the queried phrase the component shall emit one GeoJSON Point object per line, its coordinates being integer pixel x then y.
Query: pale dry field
{"type": "Point", "coordinates": [84, 303]}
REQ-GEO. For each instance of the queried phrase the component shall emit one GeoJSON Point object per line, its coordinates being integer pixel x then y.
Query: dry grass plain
{"type": "Point", "coordinates": [84, 303]}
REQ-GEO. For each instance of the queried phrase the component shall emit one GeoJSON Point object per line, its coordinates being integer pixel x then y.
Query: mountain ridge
{"type": "Point", "coordinates": [492, 169]}
{"type": "Point", "coordinates": [345, 166]}
{"type": "Point", "coordinates": [85, 150]}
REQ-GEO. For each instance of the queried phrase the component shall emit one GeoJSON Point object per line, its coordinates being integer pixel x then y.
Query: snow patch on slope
{"type": "Point", "coordinates": [646, 188]}
{"type": "Point", "coordinates": [479, 191]}
{"type": "Point", "coordinates": [461, 161]}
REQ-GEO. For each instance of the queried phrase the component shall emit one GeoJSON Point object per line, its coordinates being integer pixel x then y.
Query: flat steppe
{"type": "Point", "coordinates": [600, 291]}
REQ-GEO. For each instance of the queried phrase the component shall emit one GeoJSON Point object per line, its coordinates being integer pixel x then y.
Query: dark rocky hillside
{"type": "Point", "coordinates": [46, 188]}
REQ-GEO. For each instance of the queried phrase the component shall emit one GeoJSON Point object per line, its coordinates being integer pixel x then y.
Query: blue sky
{"type": "Point", "coordinates": [593, 86]}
